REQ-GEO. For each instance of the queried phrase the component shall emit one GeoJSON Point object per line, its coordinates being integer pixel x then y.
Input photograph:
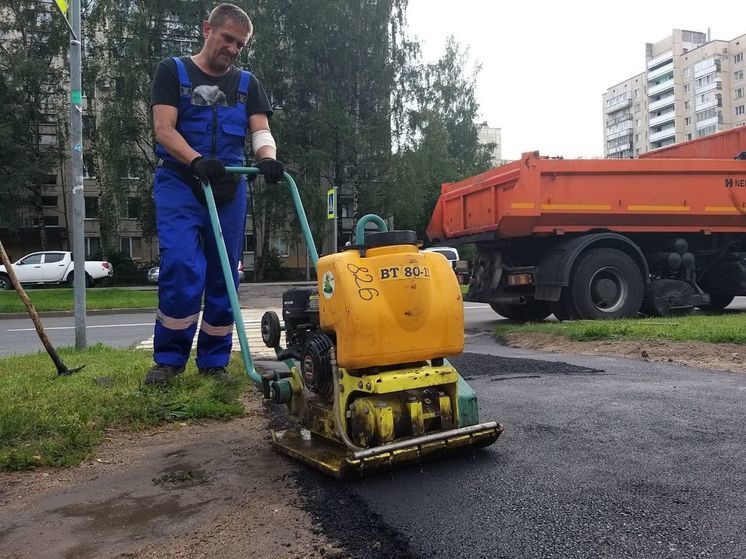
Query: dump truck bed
{"type": "Point", "coordinates": [537, 195]}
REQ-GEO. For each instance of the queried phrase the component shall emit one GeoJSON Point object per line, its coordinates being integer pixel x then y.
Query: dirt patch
{"type": "Point", "coordinates": [726, 357]}
{"type": "Point", "coordinates": [212, 489]}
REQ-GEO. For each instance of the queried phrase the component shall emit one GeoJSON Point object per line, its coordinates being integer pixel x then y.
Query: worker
{"type": "Point", "coordinates": [203, 110]}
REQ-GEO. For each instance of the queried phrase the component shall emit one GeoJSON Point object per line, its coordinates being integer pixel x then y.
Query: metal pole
{"type": "Point", "coordinates": [336, 218]}
{"type": "Point", "coordinates": [76, 163]}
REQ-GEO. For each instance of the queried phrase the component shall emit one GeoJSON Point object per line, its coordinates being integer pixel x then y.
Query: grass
{"type": "Point", "coordinates": [729, 327]}
{"type": "Point", "coordinates": [46, 420]}
{"type": "Point", "coordinates": [63, 299]}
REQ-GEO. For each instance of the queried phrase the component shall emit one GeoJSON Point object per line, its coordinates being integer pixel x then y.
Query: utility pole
{"type": "Point", "coordinates": [76, 164]}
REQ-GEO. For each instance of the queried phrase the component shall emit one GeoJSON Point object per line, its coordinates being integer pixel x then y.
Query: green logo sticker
{"type": "Point", "coordinates": [327, 284]}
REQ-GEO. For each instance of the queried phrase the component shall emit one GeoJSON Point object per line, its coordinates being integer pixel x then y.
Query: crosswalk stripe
{"type": "Point", "coordinates": [252, 320]}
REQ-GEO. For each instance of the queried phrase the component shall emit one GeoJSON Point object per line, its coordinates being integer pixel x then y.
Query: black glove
{"type": "Point", "coordinates": [208, 170]}
{"type": "Point", "coordinates": [271, 169]}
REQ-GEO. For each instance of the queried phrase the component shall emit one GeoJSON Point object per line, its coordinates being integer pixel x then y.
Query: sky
{"type": "Point", "coordinates": [546, 64]}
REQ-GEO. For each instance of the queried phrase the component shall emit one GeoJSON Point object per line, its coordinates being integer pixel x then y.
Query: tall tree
{"type": "Point", "coordinates": [127, 39]}
{"type": "Point", "coordinates": [34, 109]}
{"type": "Point", "coordinates": [438, 140]}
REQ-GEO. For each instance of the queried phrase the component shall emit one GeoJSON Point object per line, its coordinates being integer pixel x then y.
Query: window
{"type": "Point", "coordinates": [689, 136]}
{"type": "Point", "coordinates": [738, 94]}
{"type": "Point", "coordinates": [133, 168]}
{"type": "Point", "coordinates": [49, 201]}
{"type": "Point", "coordinates": [738, 58]}
{"type": "Point", "coordinates": [281, 246]}
{"type": "Point", "coordinates": [93, 248]}
{"type": "Point", "coordinates": [249, 244]}
{"type": "Point", "coordinates": [687, 87]}
{"type": "Point", "coordinates": [739, 110]}
{"type": "Point", "coordinates": [738, 75]}
{"type": "Point", "coordinates": [133, 208]}
{"type": "Point", "coordinates": [29, 260]}
{"type": "Point", "coordinates": [687, 71]}
{"type": "Point", "coordinates": [51, 179]}
{"type": "Point", "coordinates": [91, 207]}
{"type": "Point", "coordinates": [51, 220]}
{"type": "Point", "coordinates": [89, 166]}
{"type": "Point", "coordinates": [688, 120]}
{"type": "Point", "coordinates": [48, 139]}
{"type": "Point", "coordinates": [687, 105]}
{"type": "Point", "coordinates": [52, 257]}
{"type": "Point", "coordinates": [131, 246]}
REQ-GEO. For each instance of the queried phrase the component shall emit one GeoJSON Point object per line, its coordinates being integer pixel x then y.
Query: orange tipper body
{"type": "Point", "coordinates": [683, 189]}
{"type": "Point", "coordinates": [393, 305]}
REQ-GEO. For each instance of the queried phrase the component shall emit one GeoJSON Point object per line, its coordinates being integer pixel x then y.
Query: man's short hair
{"type": "Point", "coordinates": [222, 12]}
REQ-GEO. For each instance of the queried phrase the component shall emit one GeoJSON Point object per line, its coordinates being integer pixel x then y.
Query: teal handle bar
{"type": "Point", "coordinates": [360, 229]}
{"type": "Point", "coordinates": [225, 265]}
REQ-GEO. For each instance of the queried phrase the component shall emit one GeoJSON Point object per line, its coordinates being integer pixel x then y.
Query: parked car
{"type": "Point", "coordinates": [54, 266]}
{"type": "Point", "coordinates": [154, 272]}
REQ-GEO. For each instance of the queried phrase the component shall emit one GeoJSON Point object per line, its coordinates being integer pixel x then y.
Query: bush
{"type": "Point", "coordinates": [127, 271]}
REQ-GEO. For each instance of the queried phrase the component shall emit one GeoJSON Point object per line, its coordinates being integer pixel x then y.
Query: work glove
{"type": "Point", "coordinates": [208, 170]}
{"type": "Point", "coordinates": [272, 169]}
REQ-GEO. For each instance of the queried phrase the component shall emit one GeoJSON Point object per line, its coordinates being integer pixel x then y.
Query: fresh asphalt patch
{"type": "Point", "coordinates": [508, 368]}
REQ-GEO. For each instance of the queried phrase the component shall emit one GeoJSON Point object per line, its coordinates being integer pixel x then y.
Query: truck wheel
{"type": "Point", "coordinates": [532, 311]}
{"type": "Point", "coordinates": [4, 283]}
{"type": "Point", "coordinates": [718, 301]}
{"type": "Point", "coordinates": [606, 283]}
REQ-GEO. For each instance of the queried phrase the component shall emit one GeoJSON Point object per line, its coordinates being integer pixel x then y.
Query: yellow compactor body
{"type": "Point", "coordinates": [372, 386]}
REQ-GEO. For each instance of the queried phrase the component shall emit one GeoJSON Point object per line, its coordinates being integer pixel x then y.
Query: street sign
{"type": "Point", "coordinates": [331, 203]}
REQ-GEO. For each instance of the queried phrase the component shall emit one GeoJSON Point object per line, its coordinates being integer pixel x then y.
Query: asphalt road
{"type": "Point", "coordinates": [601, 457]}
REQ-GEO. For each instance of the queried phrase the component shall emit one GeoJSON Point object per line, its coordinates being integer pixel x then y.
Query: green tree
{"type": "Point", "coordinates": [438, 138]}
{"type": "Point", "coordinates": [127, 39]}
{"type": "Point", "coordinates": [34, 109]}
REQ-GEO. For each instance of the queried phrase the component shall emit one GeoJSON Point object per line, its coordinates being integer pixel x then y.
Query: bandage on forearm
{"type": "Point", "coordinates": [261, 139]}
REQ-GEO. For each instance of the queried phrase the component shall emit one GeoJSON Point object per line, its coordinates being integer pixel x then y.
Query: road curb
{"type": "Point", "coordinates": [92, 312]}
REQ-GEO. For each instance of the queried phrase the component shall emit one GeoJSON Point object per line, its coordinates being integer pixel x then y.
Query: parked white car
{"type": "Point", "coordinates": [54, 266]}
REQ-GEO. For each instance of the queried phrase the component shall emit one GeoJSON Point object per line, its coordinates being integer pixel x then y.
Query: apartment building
{"type": "Point", "coordinates": [488, 135]}
{"type": "Point", "coordinates": [690, 87]}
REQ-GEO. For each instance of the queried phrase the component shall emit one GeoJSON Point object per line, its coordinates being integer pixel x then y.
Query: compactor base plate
{"type": "Point", "coordinates": [333, 458]}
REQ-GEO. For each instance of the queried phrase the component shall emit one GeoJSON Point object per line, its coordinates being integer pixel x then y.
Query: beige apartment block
{"type": "Point", "coordinates": [488, 135]}
{"type": "Point", "coordinates": [691, 87]}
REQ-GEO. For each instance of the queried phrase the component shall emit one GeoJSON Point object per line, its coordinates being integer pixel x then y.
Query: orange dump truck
{"type": "Point", "coordinates": [605, 238]}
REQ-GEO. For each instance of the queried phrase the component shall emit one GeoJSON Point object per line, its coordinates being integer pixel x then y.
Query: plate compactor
{"type": "Point", "coordinates": [366, 350]}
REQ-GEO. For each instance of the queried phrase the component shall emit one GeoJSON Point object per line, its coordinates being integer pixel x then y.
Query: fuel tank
{"type": "Point", "coordinates": [389, 303]}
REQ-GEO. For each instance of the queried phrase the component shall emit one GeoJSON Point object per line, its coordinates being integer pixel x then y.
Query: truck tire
{"type": "Point", "coordinates": [718, 301]}
{"type": "Point", "coordinates": [4, 282]}
{"type": "Point", "coordinates": [606, 283]}
{"type": "Point", "coordinates": [532, 311]}
{"type": "Point", "coordinates": [71, 280]}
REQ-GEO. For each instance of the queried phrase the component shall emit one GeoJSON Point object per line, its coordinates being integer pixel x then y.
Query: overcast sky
{"type": "Point", "coordinates": [546, 64]}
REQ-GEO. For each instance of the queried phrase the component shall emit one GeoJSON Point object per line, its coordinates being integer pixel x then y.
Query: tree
{"type": "Point", "coordinates": [127, 39]}
{"type": "Point", "coordinates": [34, 110]}
{"type": "Point", "coordinates": [438, 139]}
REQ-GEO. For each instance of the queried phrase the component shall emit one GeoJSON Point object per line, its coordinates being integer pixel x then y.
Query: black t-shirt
{"type": "Point", "coordinates": [166, 86]}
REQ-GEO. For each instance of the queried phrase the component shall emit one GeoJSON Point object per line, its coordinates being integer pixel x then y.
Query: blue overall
{"type": "Point", "coordinates": [190, 264]}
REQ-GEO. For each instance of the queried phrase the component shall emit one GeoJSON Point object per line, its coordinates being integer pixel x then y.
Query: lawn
{"type": "Point", "coordinates": [47, 420]}
{"type": "Point", "coordinates": [63, 299]}
{"type": "Point", "coordinates": [725, 327]}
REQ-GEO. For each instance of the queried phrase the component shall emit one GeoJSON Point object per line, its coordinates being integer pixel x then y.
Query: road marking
{"type": "Point", "coordinates": [88, 327]}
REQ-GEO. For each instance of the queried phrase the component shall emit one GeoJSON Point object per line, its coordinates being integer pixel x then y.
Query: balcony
{"type": "Point", "coordinates": [661, 103]}
{"type": "Point", "coordinates": [662, 71]}
{"type": "Point", "coordinates": [662, 119]}
{"type": "Point", "coordinates": [619, 149]}
{"type": "Point", "coordinates": [660, 88]}
{"type": "Point", "coordinates": [619, 106]}
{"type": "Point", "coordinates": [653, 63]}
{"type": "Point", "coordinates": [715, 120]}
{"type": "Point", "coordinates": [663, 134]}
{"type": "Point", "coordinates": [716, 85]}
{"type": "Point", "coordinates": [619, 134]}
